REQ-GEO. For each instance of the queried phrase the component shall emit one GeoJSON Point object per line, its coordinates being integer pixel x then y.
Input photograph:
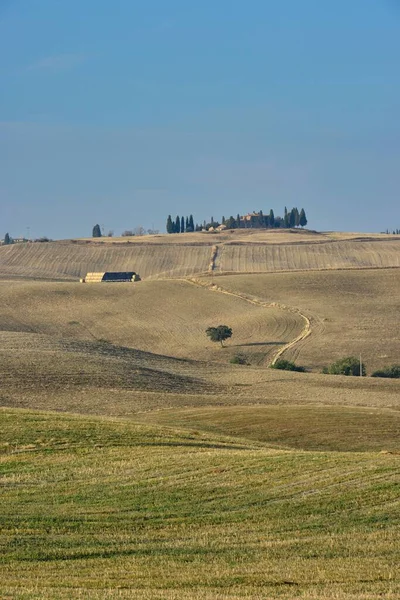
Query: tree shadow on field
{"type": "Point", "coordinates": [258, 344]}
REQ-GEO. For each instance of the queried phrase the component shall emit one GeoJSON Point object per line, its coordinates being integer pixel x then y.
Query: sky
{"type": "Point", "coordinates": [120, 113]}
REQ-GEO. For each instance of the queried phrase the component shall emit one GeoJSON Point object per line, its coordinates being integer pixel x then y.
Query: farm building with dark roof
{"type": "Point", "coordinates": [109, 276]}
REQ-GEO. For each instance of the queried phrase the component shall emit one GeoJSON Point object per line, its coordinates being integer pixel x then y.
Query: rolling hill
{"type": "Point", "coordinates": [136, 460]}
{"type": "Point", "coordinates": [177, 256]}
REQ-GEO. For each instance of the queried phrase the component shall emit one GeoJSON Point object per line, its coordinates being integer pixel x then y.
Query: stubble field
{"type": "Point", "coordinates": [176, 256]}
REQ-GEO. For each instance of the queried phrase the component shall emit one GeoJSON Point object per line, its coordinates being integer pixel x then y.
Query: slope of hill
{"type": "Point", "coordinates": [162, 317]}
{"type": "Point", "coordinates": [100, 509]}
{"type": "Point", "coordinates": [177, 256]}
{"type": "Point", "coordinates": [108, 349]}
{"type": "Point", "coordinates": [352, 312]}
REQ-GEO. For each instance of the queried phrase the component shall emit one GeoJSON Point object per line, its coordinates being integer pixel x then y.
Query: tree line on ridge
{"type": "Point", "coordinates": [254, 220]}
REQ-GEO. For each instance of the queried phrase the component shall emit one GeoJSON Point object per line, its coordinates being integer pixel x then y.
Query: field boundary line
{"type": "Point", "coordinates": [305, 332]}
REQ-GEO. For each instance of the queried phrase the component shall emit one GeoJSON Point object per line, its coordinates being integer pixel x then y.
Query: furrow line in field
{"type": "Point", "coordinates": [305, 332]}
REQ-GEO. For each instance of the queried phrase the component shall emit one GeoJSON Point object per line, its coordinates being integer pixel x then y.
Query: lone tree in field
{"type": "Point", "coordinates": [96, 231]}
{"type": "Point", "coordinates": [219, 334]}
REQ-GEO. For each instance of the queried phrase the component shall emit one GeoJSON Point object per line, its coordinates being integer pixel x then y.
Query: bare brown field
{"type": "Point", "coordinates": [71, 261]}
{"type": "Point", "coordinates": [177, 256]}
{"type": "Point", "coordinates": [162, 317]}
{"type": "Point", "coordinates": [268, 236]}
{"type": "Point", "coordinates": [119, 350]}
{"type": "Point", "coordinates": [351, 312]}
{"type": "Point", "coordinates": [259, 258]}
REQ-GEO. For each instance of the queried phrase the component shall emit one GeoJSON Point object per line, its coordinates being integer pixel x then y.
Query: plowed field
{"type": "Point", "coordinates": [177, 256]}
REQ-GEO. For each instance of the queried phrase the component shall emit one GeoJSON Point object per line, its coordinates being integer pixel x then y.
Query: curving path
{"type": "Point", "coordinates": [305, 333]}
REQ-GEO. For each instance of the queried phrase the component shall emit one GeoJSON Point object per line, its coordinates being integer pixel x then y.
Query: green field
{"type": "Point", "coordinates": [102, 508]}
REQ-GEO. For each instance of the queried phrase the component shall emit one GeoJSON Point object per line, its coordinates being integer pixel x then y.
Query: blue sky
{"type": "Point", "coordinates": [121, 112]}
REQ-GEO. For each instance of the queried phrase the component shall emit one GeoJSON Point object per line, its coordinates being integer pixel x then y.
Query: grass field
{"type": "Point", "coordinates": [105, 508]}
{"type": "Point", "coordinates": [137, 462]}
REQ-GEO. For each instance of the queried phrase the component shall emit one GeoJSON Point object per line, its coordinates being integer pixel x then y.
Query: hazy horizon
{"type": "Point", "coordinates": [123, 114]}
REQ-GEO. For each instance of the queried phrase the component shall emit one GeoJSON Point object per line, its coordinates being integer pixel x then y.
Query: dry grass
{"type": "Point", "coordinates": [164, 317]}
{"type": "Point", "coordinates": [305, 427]}
{"type": "Point", "coordinates": [104, 508]}
{"type": "Point", "coordinates": [177, 256]}
{"type": "Point", "coordinates": [351, 312]}
{"type": "Point", "coordinates": [104, 349]}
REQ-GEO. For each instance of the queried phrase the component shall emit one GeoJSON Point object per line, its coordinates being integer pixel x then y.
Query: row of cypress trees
{"type": "Point", "coordinates": [180, 224]}
{"type": "Point", "coordinates": [290, 219]}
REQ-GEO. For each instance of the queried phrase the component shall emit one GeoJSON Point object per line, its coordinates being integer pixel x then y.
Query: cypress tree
{"type": "Point", "coordinates": [303, 218]}
{"type": "Point", "coordinates": [271, 218]}
{"type": "Point", "coordinates": [297, 217]}
{"type": "Point", "coordinates": [182, 224]}
{"type": "Point", "coordinates": [187, 224]}
{"type": "Point", "coordinates": [170, 225]}
{"type": "Point", "coordinates": [286, 218]}
{"type": "Point", "coordinates": [7, 239]}
{"type": "Point", "coordinates": [292, 218]}
{"type": "Point", "coordinates": [177, 225]}
{"type": "Point", "coordinates": [96, 232]}
{"type": "Point", "coordinates": [191, 223]}
{"type": "Point", "coordinates": [238, 221]}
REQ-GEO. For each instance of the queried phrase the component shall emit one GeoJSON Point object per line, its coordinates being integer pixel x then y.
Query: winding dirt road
{"type": "Point", "coordinates": [305, 332]}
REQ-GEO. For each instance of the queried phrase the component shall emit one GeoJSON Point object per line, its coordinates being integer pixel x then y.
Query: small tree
{"type": "Point", "coordinates": [7, 239]}
{"type": "Point", "coordinates": [139, 230]}
{"type": "Point", "coordinates": [182, 224]}
{"type": "Point", "coordinates": [271, 218]}
{"type": "Point", "coordinates": [170, 225]}
{"type": "Point", "coordinates": [219, 334]}
{"type": "Point", "coordinates": [96, 233]}
{"type": "Point", "coordinates": [177, 225]}
{"type": "Point", "coordinates": [303, 218]}
{"type": "Point", "coordinates": [292, 218]}
{"type": "Point", "coordinates": [286, 221]}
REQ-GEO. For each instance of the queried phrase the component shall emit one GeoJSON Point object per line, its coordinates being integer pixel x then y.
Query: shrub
{"type": "Point", "coordinates": [350, 365]}
{"type": "Point", "coordinates": [392, 372]}
{"type": "Point", "coordinates": [239, 359]}
{"type": "Point", "coordinates": [287, 365]}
